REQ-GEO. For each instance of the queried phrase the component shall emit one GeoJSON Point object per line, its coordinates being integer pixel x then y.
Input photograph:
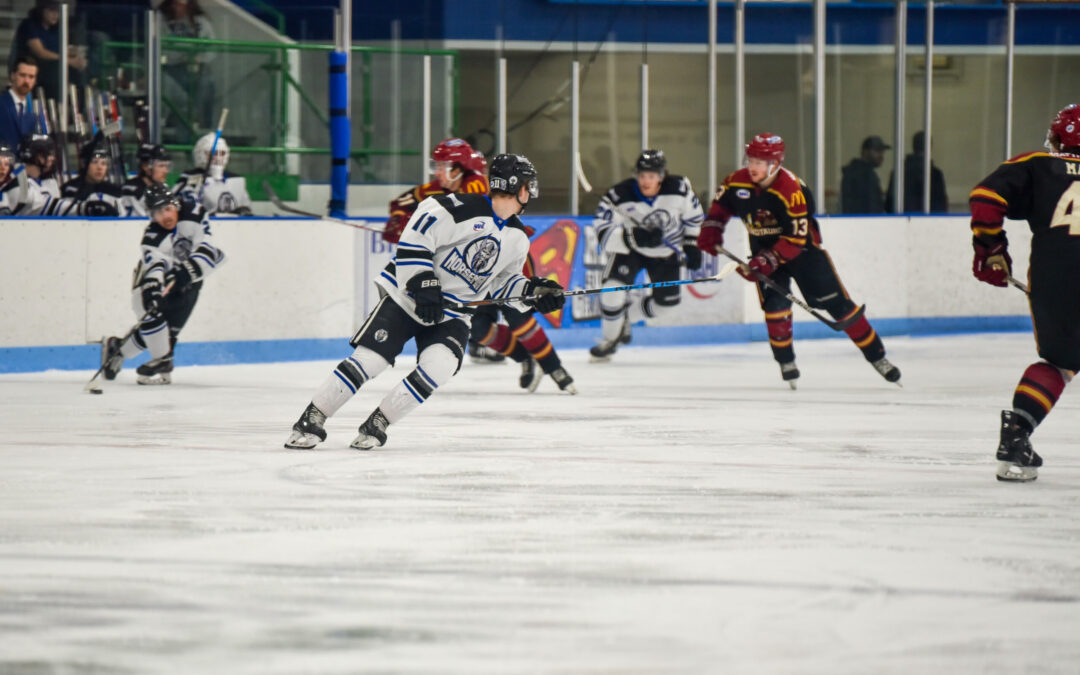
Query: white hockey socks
{"type": "Point", "coordinates": [436, 365]}
{"type": "Point", "coordinates": [155, 339]}
{"type": "Point", "coordinates": [346, 378]}
{"type": "Point", "coordinates": [613, 311]}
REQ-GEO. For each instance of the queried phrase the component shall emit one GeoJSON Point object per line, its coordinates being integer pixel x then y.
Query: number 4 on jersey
{"type": "Point", "coordinates": [1067, 212]}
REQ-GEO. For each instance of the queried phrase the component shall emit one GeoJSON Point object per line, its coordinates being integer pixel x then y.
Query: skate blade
{"type": "Point", "coordinates": [1014, 473]}
{"type": "Point", "coordinates": [570, 389]}
{"type": "Point", "coordinates": [534, 383]}
{"type": "Point", "coordinates": [365, 442]}
{"type": "Point", "coordinates": [302, 441]}
{"type": "Point", "coordinates": [599, 359]}
{"type": "Point", "coordinates": [154, 379]}
{"type": "Point", "coordinates": [793, 384]}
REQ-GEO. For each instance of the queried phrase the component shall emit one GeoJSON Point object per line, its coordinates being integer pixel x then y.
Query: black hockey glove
{"type": "Point", "coordinates": [550, 295]}
{"type": "Point", "coordinates": [693, 256]}
{"type": "Point", "coordinates": [151, 296]}
{"type": "Point", "coordinates": [648, 238]}
{"type": "Point", "coordinates": [427, 293]}
{"type": "Point", "coordinates": [181, 277]}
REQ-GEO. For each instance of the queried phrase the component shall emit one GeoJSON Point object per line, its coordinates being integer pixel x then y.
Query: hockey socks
{"type": "Point", "coordinates": [778, 325]}
{"type": "Point", "coordinates": [865, 337]}
{"type": "Point", "coordinates": [1039, 389]}
{"type": "Point", "coordinates": [435, 366]}
{"type": "Point", "coordinates": [346, 379]}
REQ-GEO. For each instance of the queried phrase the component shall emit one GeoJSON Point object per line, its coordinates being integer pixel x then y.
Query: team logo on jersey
{"type": "Point", "coordinates": [474, 265]}
{"type": "Point", "coordinates": [657, 220]}
{"type": "Point", "coordinates": [381, 335]}
{"type": "Point", "coordinates": [181, 249]}
{"type": "Point", "coordinates": [742, 193]}
{"type": "Point", "coordinates": [226, 203]}
{"type": "Point", "coordinates": [477, 226]}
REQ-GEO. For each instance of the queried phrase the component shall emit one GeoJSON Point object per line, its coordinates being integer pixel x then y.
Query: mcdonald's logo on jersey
{"type": "Point", "coordinates": [798, 198]}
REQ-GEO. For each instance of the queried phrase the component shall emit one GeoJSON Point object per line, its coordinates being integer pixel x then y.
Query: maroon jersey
{"type": "Point", "coordinates": [779, 217]}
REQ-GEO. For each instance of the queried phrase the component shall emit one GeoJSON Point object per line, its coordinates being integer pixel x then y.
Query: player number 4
{"type": "Point", "coordinates": [1067, 212]}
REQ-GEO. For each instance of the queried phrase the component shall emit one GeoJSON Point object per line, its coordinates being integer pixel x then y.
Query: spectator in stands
{"type": "Point", "coordinates": [39, 36]}
{"type": "Point", "coordinates": [187, 81]}
{"type": "Point", "coordinates": [16, 116]}
{"type": "Point", "coordinates": [860, 190]}
{"type": "Point", "coordinates": [913, 182]}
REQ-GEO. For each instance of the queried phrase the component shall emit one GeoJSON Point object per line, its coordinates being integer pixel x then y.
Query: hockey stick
{"type": "Point", "coordinates": [1019, 284]}
{"type": "Point", "coordinates": [282, 206]}
{"type": "Point", "coordinates": [724, 271]}
{"type": "Point", "coordinates": [90, 384]}
{"type": "Point", "coordinates": [209, 157]}
{"type": "Point", "coordinates": [835, 325]}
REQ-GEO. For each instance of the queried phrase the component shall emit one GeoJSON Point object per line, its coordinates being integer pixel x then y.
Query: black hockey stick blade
{"type": "Point", "coordinates": [282, 206]}
{"type": "Point", "coordinates": [841, 325]}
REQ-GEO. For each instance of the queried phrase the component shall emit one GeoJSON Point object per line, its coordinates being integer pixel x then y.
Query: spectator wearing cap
{"type": "Point", "coordinates": [860, 189]}
{"type": "Point", "coordinates": [38, 36]}
{"type": "Point", "coordinates": [914, 179]}
{"type": "Point", "coordinates": [16, 107]}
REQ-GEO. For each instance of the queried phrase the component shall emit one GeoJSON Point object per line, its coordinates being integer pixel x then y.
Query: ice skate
{"type": "Point", "coordinates": [625, 335]}
{"type": "Point", "coordinates": [530, 375]}
{"type": "Point", "coordinates": [790, 372]}
{"type": "Point", "coordinates": [602, 351]}
{"type": "Point", "coordinates": [111, 358]}
{"type": "Point", "coordinates": [1017, 460]}
{"type": "Point", "coordinates": [890, 372]}
{"type": "Point", "coordinates": [483, 354]}
{"type": "Point", "coordinates": [372, 432]}
{"type": "Point", "coordinates": [155, 371]}
{"type": "Point", "coordinates": [308, 430]}
{"type": "Point", "coordinates": [563, 379]}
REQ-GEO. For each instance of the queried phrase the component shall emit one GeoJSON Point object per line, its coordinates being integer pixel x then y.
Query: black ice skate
{"type": "Point", "coordinates": [111, 358]}
{"type": "Point", "coordinates": [308, 430]}
{"type": "Point", "coordinates": [563, 379]}
{"type": "Point", "coordinates": [890, 372]}
{"type": "Point", "coordinates": [790, 372]}
{"type": "Point", "coordinates": [1017, 460]}
{"type": "Point", "coordinates": [625, 334]}
{"type": "Point", "coordinates": [372, 432]}
{"type": "Point", "coordinates": [483, 354]}
{"type": "Point", "coordinates": [602, 351]}
{"type": "Point", "coordinates": [530, 375]}
{"type": "Point", "coordinates": [156, 371]}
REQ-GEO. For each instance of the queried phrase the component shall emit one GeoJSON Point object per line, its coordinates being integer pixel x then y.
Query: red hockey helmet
{"type": "Point", "coordinates": [1065, 128]}
{"type": "Point", "coordinates": [456, 150]}
{"type": "Point", "coordinates": [477, 162]}
{"type": "Point", "coordinates": [766, 146]}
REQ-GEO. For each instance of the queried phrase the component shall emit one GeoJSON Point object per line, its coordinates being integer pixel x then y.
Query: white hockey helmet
{"type": "Point", "coordinates": [201, 153]}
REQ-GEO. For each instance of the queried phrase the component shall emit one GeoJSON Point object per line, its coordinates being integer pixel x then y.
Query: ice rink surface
{"type": "Point", "coordinates": [686, 513]}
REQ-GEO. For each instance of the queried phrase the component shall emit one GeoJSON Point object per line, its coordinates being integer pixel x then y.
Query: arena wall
{"type": "Point", "coordinates": [295, 289]}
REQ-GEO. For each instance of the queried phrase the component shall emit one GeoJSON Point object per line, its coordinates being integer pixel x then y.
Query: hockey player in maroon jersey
{"type": "Point", "coordinates": [1044, 189]}
{"type": "Point", "coordinates": [785, 243]}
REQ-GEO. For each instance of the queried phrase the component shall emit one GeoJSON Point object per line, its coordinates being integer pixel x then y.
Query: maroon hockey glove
{"type": "Point", "coordinates": [992, 264]}
{"type": "Point", "coordinates": [764, 263]}
{"type": "Point", "coordinates": [394, 226]}
{"type": "Point", "coordinates": [711, 237]}
{"type": "Point", "coordinates": [551, 298]}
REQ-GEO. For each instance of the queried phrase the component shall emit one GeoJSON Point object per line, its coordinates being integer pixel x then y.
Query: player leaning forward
{"type": "Point", "coordinates": [1044, 189]}
{"type": "Point", "coordinates": [785, 242]}
{"type": "Point", "coordinates": [455, 248]}
{"type": "Point", "coordinates": [177, 254]}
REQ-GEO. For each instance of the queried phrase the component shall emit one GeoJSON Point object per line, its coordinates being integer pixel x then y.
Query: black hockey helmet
{"type": "Point", "coordinates": [509, 173]}
{"type": "Point", "coordinates": [149, 152]}
{"type": "Point", "coordinates": [33, 146]}
{"type": "Point", "coordinates": [92, 150]}
{"type": "Point", "coordinates": [6, 151]}
{"type": "Point", "coordinates": [158, 195]}
{"type": "Point", "coordinates": [651, 160]}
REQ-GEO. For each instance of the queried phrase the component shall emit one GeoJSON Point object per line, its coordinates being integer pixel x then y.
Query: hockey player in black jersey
{"type": "Point", "coordinates": [456, 248]}
{"type": "Point", "coordinates": [154, 164]}
{"type": "Point", "coordinates": [91, 193]}
{"type": "Point", "coordinates": [178, 252]}
{"type": "Point", "coordinates": [1044, 189]}
{"type": "Point", "coordinates": [650, 222]}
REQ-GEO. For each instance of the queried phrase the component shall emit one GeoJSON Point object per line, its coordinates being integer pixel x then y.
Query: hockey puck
{"type": "Point", "coordinates": [95, 391]}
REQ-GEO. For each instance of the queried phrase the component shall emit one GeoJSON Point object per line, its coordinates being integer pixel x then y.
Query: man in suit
{"type": "Point", "coordinates": [16, 108]}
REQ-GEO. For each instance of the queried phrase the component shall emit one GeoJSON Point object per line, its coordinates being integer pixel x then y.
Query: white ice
{"type": "Point", "coordinates": [686, 513]}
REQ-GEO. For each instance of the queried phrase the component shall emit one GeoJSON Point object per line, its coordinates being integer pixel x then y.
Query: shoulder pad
{"type": "Point", "coordinates": [674, 185]}
{"type": "Point", "coordinates": [190, 210]}
{"type": "Point", "coordinates": [154, 235]}
{"type": "Point", "coordinates": [467, 206]}
{"type": "Point", "coordinates": [740, 178]}
{"type": "Point", "coordinates": [474, 183]}
{"type": "Point", "coordinates": [1025, 156]}
{"type": "Point", "coordinates": [623, 191]}
{"type": "Point", "coordinates": [516, 223]}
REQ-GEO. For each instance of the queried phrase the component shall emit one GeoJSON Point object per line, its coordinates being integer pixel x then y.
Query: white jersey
{"type": "Point", "coordinates": [220, 196]}
{"type": "Point", "coordinates": [162, 249]}
{"type": "Point", "coordinates": [473, 253]}
{"type": "Point", "coordinates": [133, 197]}
{"type": "Point", "coordinates": [675, 210]}
{"type": "Point", "coordinates": [13, 195]}
{"type": "Point", "coordinates": [42, 196]}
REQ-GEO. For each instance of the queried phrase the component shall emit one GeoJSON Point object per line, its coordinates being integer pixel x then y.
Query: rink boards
{"type": "Point", "coordinates": [294, 289]}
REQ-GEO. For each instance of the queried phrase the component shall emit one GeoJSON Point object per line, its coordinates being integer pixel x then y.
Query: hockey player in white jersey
{"type": "Point", "coordinates": [221, 192]}
{"type": "Point", "coordinates": [91, 193]}
{"type": "Point", "coordinates": [178, 252]}
{"type": "Point", "coordinates": [455, 248]}
{"type": "Point", "coordinates": [38, 156]}
{"type": "Point", "coordinates": [650, 221]}
{"type": "Point", "coordinates": [154, 164]}
{"type": "Point", "coordinates": [12, 193]}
